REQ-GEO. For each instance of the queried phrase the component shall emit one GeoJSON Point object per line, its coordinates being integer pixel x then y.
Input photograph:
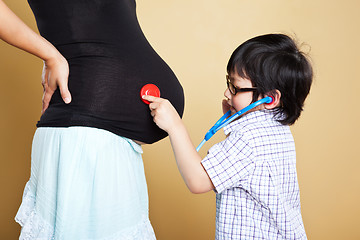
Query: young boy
{"type": "Point", "coordinates": [253, 171]}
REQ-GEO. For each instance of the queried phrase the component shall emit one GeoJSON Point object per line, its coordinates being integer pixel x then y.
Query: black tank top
{"type": "Point", "coordinates": [110, 60]}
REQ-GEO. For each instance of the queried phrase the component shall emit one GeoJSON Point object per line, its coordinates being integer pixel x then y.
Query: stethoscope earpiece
{"type": "Point", "coordinates": [271, 100]}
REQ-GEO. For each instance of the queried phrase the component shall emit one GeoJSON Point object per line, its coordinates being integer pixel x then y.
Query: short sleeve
{"type": "Point", "coordinates": [229, 163]}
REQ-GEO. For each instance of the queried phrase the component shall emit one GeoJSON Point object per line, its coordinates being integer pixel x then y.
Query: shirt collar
{"type": "Point", "coordinates": [251, 117]}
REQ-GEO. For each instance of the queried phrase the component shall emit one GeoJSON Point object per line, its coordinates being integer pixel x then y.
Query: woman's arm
{"type": "Point", "coordinates": [187, 158]}
{"type": "Point", "coordinates": [56, 69]}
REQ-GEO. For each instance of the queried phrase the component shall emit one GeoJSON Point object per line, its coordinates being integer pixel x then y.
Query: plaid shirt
{"type": "Point", "coordinates": [254, 174]}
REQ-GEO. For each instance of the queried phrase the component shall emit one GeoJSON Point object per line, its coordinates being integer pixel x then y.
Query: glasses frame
{"type": "Point", "coordinates": [235, 90]}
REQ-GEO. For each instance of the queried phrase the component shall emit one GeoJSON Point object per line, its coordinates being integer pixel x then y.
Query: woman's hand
{"type": "Point", "coordinates": [56, 69]}
{"type": "Point", "coordinates": [55, 75]}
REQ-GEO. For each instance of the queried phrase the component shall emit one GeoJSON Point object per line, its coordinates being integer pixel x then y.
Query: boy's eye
{"type": "Point", "coordinates": [234, 90]}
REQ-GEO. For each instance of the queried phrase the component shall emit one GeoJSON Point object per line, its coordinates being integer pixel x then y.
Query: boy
{"type": "Point", "coordinates": [253, 171]}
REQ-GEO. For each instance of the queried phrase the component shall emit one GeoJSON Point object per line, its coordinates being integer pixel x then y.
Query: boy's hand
{"type": "Point", "coordinates": [187, 158]}
{"type": "Point", "coordinates": [164, 114]}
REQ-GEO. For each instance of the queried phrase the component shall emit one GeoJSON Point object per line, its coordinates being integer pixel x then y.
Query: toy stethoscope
{"type": "Point", "coordinates": [225, 119]}
{"type": "Point", "coordinates": [151, 89]}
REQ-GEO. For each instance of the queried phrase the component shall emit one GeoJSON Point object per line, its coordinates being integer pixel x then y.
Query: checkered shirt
{"type": "Point", "coordinates": [254, 174]}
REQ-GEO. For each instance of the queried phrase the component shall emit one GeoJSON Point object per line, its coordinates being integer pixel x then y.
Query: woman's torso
{"type": "Point", "coordinates": [110, 60]}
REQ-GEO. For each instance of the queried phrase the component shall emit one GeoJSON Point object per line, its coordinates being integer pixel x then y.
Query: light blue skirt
{"type": "Point", "coordinates": [85, 183]}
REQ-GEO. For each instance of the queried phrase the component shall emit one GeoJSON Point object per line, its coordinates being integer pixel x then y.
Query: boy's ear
{"type": "Point", "coordinates": [276, 95]}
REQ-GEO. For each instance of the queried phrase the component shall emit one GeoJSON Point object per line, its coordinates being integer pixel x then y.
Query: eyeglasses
{"type": "Point", "coordinates": [234, 90]}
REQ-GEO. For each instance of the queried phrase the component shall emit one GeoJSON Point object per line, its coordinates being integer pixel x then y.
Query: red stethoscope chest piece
{"type": "Point", "coordinates": [149, 89]}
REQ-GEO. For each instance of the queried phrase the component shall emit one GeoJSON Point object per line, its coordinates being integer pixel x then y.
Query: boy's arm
{"type": "Point", "coordinates": [187, 158]}
{"type": "Point", "coordinates": [18, 34]}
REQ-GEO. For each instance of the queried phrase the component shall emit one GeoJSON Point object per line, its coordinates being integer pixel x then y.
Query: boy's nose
{"type": "Point", "coordinates": [227, 93]}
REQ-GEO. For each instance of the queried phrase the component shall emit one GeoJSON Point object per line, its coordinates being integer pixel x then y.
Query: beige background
{"type": "Point", "coordinates": [196, 39]}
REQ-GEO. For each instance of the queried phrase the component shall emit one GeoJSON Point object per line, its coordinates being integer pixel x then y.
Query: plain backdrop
{"type": "Point", "coordinates": [196, 39]}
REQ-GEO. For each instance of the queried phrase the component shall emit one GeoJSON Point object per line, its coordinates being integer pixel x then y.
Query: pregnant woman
{"type": "Point", "coordinates": [87, 176]}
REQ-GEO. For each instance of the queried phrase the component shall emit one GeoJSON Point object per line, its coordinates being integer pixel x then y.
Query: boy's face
{"type": "Point", "coordinates": [241, 99]}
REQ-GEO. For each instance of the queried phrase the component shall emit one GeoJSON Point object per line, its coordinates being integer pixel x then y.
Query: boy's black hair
{"type": "Point", "coordinates": [273, 62]}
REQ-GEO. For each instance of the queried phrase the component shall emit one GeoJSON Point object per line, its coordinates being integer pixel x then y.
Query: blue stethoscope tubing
{"type": "Point", "coordinates": [225, 119]}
